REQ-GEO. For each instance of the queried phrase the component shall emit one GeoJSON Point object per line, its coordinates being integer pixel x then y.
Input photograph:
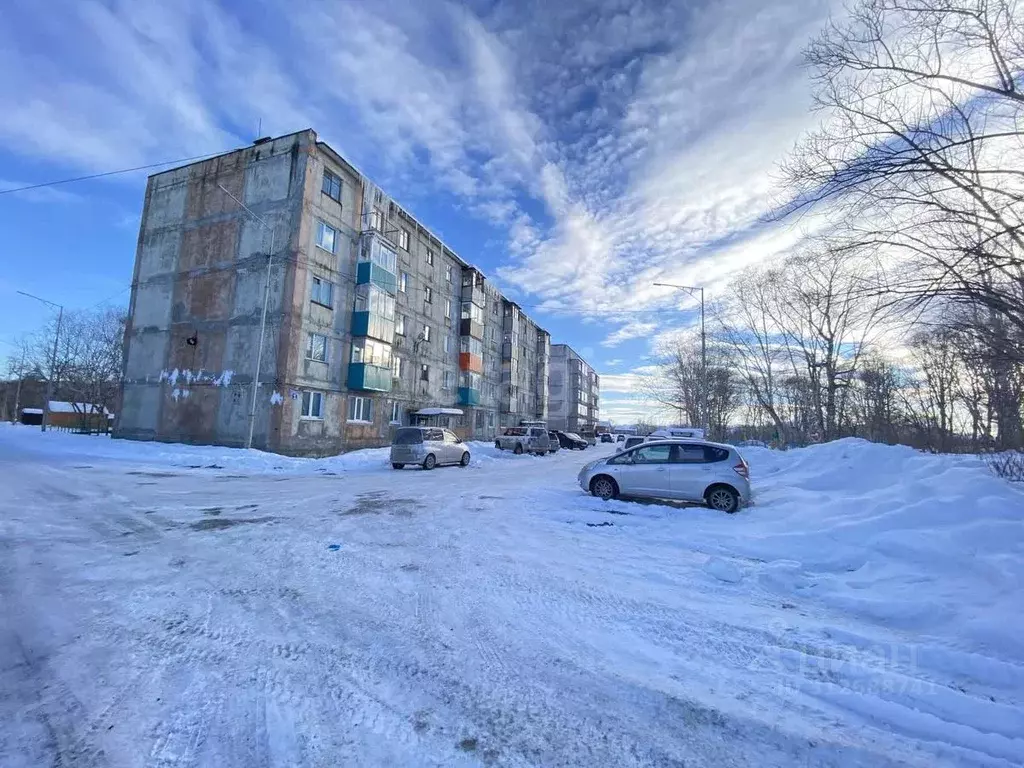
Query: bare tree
{"type": "Point", "coordinates": [678, 385]}
{"type": "Point", "coordinates": [87, 366]}
{"type": "Point", "coordinates": [747, 332]}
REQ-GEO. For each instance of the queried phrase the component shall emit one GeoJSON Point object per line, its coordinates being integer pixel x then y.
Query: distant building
{"type": "Point", "coordinates": [574, 390]}
{"type": "Point", "coordinates": [370, 316]}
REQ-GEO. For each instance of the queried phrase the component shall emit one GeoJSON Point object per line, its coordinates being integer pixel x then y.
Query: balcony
{"type": "Point", "coordinates": [471, 362]}
{"type": "Point", "coordinates": [469, 396]}
{"type": "Point", "coordinates": [470, 327]}
{"type": "Point", "coordinates": [475, 294]}
{"type": "Point", "coordinates": [369, 377]}
{"type": "Point", "coordinates": [373, 325]}
{"type": "Point", "coordinates": [367, 272]}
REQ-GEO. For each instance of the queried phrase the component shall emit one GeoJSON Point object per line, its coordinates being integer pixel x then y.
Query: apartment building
{"type": "Point", "coordinates": [574, 390]}
{"type": "Point", "coordinates": [281, 264]}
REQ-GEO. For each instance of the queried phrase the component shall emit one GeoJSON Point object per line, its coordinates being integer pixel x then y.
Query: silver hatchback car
{"type": "Point", "coordinates": [686, 470]}
{"type": "Point", "coordinates": [428, 447]}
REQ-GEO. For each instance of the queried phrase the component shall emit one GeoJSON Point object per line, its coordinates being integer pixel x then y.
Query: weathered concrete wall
{"type": "Point", "coordinates": [570, 375]}
{"type": "Point", "coordinates": [200, 276]}
{"type": "Point", "coordinates": [324, 436]}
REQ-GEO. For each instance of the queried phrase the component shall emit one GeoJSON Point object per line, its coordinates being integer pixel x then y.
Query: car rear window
{"type": "Point", "coordinates": [537, 433]}
{"type": "Point", "coordinates": [408, 437]}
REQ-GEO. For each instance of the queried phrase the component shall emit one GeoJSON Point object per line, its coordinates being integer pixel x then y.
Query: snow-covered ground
{"type": "Point", "coordinates": [174, 606]}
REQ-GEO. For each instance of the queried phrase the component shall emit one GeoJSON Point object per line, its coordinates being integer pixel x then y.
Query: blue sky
{"type": "Point", "coordinates": [578, 152]}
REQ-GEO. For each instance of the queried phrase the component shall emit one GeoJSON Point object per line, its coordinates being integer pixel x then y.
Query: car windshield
{"type": "Point", "coordinates": [408, 437]}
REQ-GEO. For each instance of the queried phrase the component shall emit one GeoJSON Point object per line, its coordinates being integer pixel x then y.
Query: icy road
{"type": "Point", "coordinates": [178, 606]}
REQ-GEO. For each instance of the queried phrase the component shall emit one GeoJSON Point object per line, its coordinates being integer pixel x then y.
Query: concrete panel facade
{"type": "Point", "coordinates": [198, 297]}
{"type": "Point", "coordinates": [573, 391]}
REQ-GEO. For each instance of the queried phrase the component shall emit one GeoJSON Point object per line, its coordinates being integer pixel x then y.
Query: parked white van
{"type": "Point", "coordinates": [677, 433]}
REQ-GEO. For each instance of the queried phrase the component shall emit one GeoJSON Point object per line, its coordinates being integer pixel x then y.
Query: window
{"type": "Point", "coordinates": [653, 454]}
{"type": "Point", "coordinates": [479, 419]}
{"type": "Point", "coordinates": [325, 236]}
{"type": "Point", "coordinates": [316, 347]}
{"type": "Point", "coordinates": [430, 257]}
{"type": "Point", "coordinates": [428, 295]}
{"type": "Point", "coordinates": [494, 308]}
{"type": "Point", "coordinates": [494, 335]}
{"type": "Point", "coordinates": [322, 292]}
{"type": "Point", "coordinates": [360, 409]}
{"type": "Point", "coordinates": [400, 325]}
{"type": "Point", "coordinates": [490, 419]}
{"type": "Point", "coordinates": [403, 239]}
{"type": "Point", "coordinates": [447, 343]}
{"type": "Point", "coordinates": [312, 405]}
{"type": "Point", "coordinates": [449, 309]}
{"type": "Point", "coordinates": [448, 272]}
{"type": "Point", "coordinates": [370, 352]}
{"type": "Point", "coordinates": [424, 372]}
{"type": "Point", "coordinates": [377, 220]}
{"type": "Point", "coordinates": [426, 333]}
{"type": "Point", "coordinates": [403, 282]}
{"type": "Point", "coordinates": [331, 186]}
{"type": "Point", "coordinates": [690, 454]}
{"type": "Point", "coordinates": [396, 367]}
{"type": "Point", "coordinates": [447, 380]}
{"type": "Point", "coordinates": [396, 411]}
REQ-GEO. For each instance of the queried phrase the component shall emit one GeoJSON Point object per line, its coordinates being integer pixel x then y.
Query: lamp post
{"type": "Point", "coordinates": [53, 359]}
{"type": "Point", "coordinates": [263, 321]}
{"type": "Point", "coordinates": [706, 416]}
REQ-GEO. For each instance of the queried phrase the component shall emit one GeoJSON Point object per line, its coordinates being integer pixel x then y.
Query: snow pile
{"type": "Point", "coordinates": [924, 543]}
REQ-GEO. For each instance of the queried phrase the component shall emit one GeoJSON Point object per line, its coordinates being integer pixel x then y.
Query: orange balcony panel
{"type": "Point", "coordinates": [471, 362]}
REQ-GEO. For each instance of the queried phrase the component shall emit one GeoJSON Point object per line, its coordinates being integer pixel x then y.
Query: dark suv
{"type": "Point", "coordinates": [571, 441]}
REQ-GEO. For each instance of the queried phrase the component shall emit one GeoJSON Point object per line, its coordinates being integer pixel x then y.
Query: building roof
{"type": "Point", "coordinates": [59, 406]}
{"type": "Point", "coordinates": [438, 412]}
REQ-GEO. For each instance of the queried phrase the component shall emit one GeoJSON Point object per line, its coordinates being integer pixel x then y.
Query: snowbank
{"type": "Point", "coordinates": [928, 544]}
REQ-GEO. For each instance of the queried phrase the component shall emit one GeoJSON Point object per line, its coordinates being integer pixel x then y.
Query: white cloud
{"type": "Point", "coordinates": [634, 329]}
{"type": "Point", "coordinates": [617, 143]}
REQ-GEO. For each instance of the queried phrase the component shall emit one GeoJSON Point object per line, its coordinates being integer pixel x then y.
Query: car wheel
{"type": "Point", "coordinates": [497, 445]}
{"type": "Point", "coordinates": [398, 466]}
{"type": "Point", "coordinates": [518, 449]}
{"type": "Point", "coordinates": [604, 487]}
{"type": "Point", "coordinates": [722, 498]}
{"type": "Point", "coordinates": [465, 459]}
{"type": "Point", "coordinates": [430, 462]}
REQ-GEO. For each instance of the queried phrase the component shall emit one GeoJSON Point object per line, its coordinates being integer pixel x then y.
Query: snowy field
{"type": "Point", "coordinates": [183, 606]}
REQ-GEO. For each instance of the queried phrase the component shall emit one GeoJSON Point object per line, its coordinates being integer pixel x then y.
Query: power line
{"type": "Point", "coordinates": [114, 173]}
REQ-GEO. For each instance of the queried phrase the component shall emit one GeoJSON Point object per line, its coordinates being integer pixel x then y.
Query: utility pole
{"type": "Point", "coordinates": [53, 359]}
{"type": "Point", "coordinates": [263, 321]}
{"type": "Point", "coordinates": [706, 415]}
{"type": "Point", "coordinates": [17, 390]}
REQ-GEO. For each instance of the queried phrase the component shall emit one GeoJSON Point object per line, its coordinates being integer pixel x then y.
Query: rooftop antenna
{"type": "Point", "coordinates": [259, 128]}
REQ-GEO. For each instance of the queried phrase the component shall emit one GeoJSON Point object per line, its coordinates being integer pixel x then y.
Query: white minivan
{"type": "Point", "coordinates": [428, 447]}
{"type": "Point", "coordinates": [685, 470]}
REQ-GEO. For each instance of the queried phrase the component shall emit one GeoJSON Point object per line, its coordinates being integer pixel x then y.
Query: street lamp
{"type": "Point", "coordinates": [703, 349]}
{"type": "Point", "coordinates": [53, 360]}
{"type": "Point", "coordinates": [263, 322]}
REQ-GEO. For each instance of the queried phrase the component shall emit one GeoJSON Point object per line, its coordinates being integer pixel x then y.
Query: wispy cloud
{"type": "Point", "coordinates": [615, 143]}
